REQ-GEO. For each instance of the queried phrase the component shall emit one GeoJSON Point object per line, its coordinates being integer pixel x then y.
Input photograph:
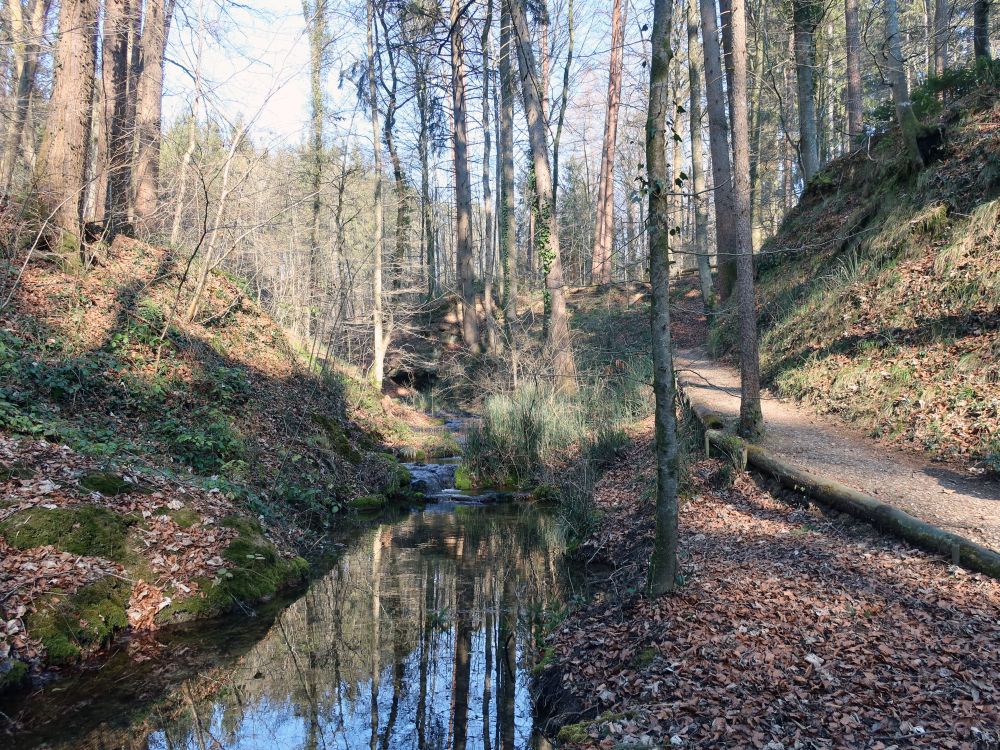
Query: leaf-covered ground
{"type": "Point", "coordinates": [793, 629]}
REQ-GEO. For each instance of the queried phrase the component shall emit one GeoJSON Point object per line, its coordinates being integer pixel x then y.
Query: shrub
{"type": "Point", "coordinates": [205, 440]}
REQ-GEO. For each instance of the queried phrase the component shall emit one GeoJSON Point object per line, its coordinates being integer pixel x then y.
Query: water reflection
{"type": "Point", "coordinates": [421, 637]}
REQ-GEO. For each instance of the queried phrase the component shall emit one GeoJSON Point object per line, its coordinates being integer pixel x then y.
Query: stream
{"type": "Point", "coordinates": [422, 635]}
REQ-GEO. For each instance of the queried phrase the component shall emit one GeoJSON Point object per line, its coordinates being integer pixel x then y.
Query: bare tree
{"type": "Point", "coordinates": [900, 90]}
{"type": "Point", "coordinates": [62, 162]}
{"type": "Point", "coordinates": [149, 107]}
{"type": "Point", "coordinates": [507, 218]}
{"type": "Point", "coordinates": [718, 140]}
{"type": "Point", "coordinates": [27, 47]}
{"type": "Point", "coordinates": [695, 75]}
{"type": "Point", "coordinates": [488, 250]}
{"type": "Point", "coordinates": [855, 123]}
{"type": "Point", "coordinates": [463, 183]}
{"type": "Point", "coordinates": [981, 28]}
{"type": "Point", "coordinates": [751, 419]}
{"type": "Point", "coordinates": [601, 259]}
{"type": "Point", "coordinates": [380, 336]}
{"type": "Point", "coordinates": [942, 11]}
{"type": "Point", "coordinates": [315, 14]}
{"type": "Point", "coordinates": [547, 228]}
{"type": "Point", "coordinates": [806, 17]}
{"type": "Point", "coordinates": [662, 575]}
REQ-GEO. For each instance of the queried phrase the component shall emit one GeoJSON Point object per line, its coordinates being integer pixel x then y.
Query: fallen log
{"type": "Point", "coordinates": [839, 496]}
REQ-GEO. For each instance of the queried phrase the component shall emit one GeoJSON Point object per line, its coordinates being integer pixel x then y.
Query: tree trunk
{"type": "Point", "coordinates": [908, 124]}
{"type": "Point", "coordinates": [751, 419]}
{"type": "Point", "coordinates": [941, 33]}
{"type": "Point", "coordinates": [981, 28]}
{"type": "Point", "coordinates": [695, 75]}
{"type": "Point", "coordinates": [315, 14]}
{"type": "Point", "coordinates": [547, 228]}
{"type": "Point", "coordinates": [806, 15]}
{"type": "Point", "coordinates": [600, 271]}
{"type": "Point", "coordinates": [463, 184]}
{"type": "Point", "coordinates": [718, 139]}
{"type": "Point", "coordinates": [491, 338]}
{"type": "Point", "coordinates": [424, 148]}
{"type": "Point", "coordinates": [662, 575]}
{"type": "Point", "coordinates": [114, 177]}
{"type": "Point", "coordinates": [27, 46]}
{"type": "Point", "coordinates": [508, 221]}
{"type": "Point", "coordinates": [380, 339]}
{"type": "Point", "coordinates": [62, 162]}
{"type": "Point", "coordinates": [855, 118]}
{"type": "Point", "coordinates": [149, 106]}
{"type": "Point", "coordinates": [563, 101]}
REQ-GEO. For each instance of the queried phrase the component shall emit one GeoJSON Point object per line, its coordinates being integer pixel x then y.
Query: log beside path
{"type": "Point", "coordinates": [933, 507]}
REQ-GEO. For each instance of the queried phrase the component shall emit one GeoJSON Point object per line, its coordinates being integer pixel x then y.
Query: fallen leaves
{"type": "Point", "coordinates": [792, 630]}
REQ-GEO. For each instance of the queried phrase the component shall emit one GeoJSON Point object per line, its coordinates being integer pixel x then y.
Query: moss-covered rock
{"type": "Point", "coordinates": [254, 572]}
{"type": "Point", "coordinates": [13, 674]}
{"type": "Point", "coordinates": [367, 503]}
{"type": "Point", "coordinates": [183, 517]}
{"type": "Point", "coordinates": [336, 439]}
{"type": "Point", "coordinates": [384, 473]}
{"type": "Point", "coordinates": [108, 484]}
{"type": "Point", "coordinates": [83, 530]}
{"type": "Point", "coordinates": [70, 625]}
{"type": "Point", "coordinates": [463, 478]}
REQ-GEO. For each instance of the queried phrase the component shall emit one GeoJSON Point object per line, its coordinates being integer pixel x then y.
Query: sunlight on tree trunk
{"type": "Point", "coordinates": [662, 576]}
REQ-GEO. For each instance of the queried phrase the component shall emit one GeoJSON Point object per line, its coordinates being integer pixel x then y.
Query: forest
{"type": "Point", "coordinates": [499, 374]}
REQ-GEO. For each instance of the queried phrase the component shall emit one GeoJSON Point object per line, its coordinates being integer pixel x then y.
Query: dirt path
{"type": "Point", "coordinates": [934, 493]}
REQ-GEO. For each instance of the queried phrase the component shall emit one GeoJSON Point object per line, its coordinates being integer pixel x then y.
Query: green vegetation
{"type": "Point", "coordinates": [68, 625]}
{"type": "Point", "coordinates": [83, 530]}
{"type": "Point", "coordinates": [368, 503]}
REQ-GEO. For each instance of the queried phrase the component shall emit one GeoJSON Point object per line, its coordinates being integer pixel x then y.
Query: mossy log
{"type": "Point", "coordinates": [887, 518]}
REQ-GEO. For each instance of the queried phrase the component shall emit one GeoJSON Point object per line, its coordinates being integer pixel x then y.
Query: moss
{"type": "Point", "coordinates": [14, 471]}
{"type": "Point", "coordinates": [183, 517]}
{"type": "Point", "coordinates": [645, 657]}
{"type": "Point", "coordinates": [68, 626]}
{"type": "Point", "coordinates": [86, 530]}
{"type": "Point", "coordinates": [336, 438]}
{"type": "Point", "coordinates": [463, 478]}
{"type": "Point", "coordinates": [255, 572]}
{"type": "Point", "coordinates": [546, 494]}
{"type": "Point", "coordinates": [367, 503]}
{"type": "Point", "coordinates": [13, 674]}
{"type": "Point", "coordinates": [108, 484]}
{"type": "Point", "coordinates": [574, 734]}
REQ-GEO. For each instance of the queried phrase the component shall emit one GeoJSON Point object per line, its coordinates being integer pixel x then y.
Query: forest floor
{"type": "Point", "coordinates": [936, 492]}
{"type": "Point", "coordinates": [792, 629]}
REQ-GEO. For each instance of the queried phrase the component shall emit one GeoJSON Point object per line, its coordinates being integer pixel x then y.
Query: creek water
{"type": "Point", "coordinates": [422, 635]}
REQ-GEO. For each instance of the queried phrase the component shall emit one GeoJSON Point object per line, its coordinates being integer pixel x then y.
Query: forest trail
{"type": "Point", "coordinates": [932, 492]}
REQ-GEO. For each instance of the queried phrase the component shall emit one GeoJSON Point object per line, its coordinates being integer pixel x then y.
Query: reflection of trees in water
{"type": "Point", "coordinates": [423, 629]}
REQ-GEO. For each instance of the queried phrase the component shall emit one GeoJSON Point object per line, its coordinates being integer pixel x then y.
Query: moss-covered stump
{"type": "Point", "coordinates": [82, 530]}
{"type": "Point", "coordinates": [70, 626]}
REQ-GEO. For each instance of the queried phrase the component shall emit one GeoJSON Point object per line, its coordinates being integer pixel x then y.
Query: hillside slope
{"type": "Point", "coordinates": [155, 469]}
{"type": "Point", "coordinates": [880, 295]}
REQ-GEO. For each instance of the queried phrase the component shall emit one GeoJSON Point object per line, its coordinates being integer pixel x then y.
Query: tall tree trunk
{"type": "Point", "coordinates": [806, 15]}
{"type": "Point", "coordinates": [981, 28]}
{"type": "Point", "coordinates": [315, 14]}
{"type": "Point", "coordinates": [423, 148]}
{"type": "Point", "coordinates": [751, 420]}
{"type": "Point", "coordinates": [62, 162]}
{"type": "Point", "coordinates": [941, 33]}
{"type": "Point", "coordinates": [547, 229]}
{"type": "Point", "coordinates": [380, 338]}
{"type": "Point", "coordinates": [398, 175]}
{"type": "Point", "coordinates": [662, 575]}
{"type": "Point", "coordinates": [718, 139]}
{"type": "Point", "coordinates": [27, 47]}
{"type": "Point", "coordinates": [488, 250]}
{"type": "Point", "coordinates": [563, 99]}
{"type": "Point", "coordinates": [508, 221]}
{"type": "Point", "coordinates": [900, 91]}
{"type": "Point", "coordinates": [695, 75]}
{"type": "Point", "coordinates": [114, 177]}
{"type": "Point", "coordinates": [463, 184]}
{"type": "Point", "coordinates": [600, 271]}
{"type": "Point", "coordinates": [855, 120]}
{"type": "Point", "coordinates": [182, 178]}
{"type": "Point", "coordinates": [149, 107]}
